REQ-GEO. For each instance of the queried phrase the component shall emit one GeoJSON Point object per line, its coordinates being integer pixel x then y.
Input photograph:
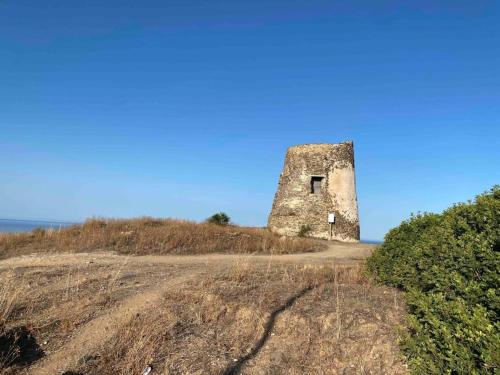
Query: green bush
{"type": "Point", "coordinates": [304, 230]}
{"type": "Point", "coordinates": [220, 218]}
{"type": "Point", "coordinates": [449, 266]}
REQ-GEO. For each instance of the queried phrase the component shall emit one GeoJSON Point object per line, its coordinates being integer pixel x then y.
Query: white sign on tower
{"type": "Point", "coordinates": [331, 218]}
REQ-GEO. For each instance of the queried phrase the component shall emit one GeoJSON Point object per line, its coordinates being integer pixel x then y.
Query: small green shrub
{"type": "Point", "coordinates": [304, 230]}
{"type": "Point", "coordinates": [449, 266]}
{"type": "Point", "coordinates": [220, 218]}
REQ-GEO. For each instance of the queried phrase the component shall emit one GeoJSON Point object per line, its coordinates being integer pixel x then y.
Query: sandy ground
{"type": "Point", "coordinates": [81, 306]}
{"type": "Point", "coordinates": [336, 251]}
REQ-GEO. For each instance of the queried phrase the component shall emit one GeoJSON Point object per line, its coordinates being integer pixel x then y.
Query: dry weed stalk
{"type": "Point", "coordinates": [337, 301]}
{"type": "Point", "coordinates": [8, 296]}
{"type": "Point", "coordinates": [13, 294]}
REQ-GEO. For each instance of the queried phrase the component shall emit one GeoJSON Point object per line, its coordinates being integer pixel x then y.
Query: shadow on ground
{"type": "Point", "coordinates": [19, 347]}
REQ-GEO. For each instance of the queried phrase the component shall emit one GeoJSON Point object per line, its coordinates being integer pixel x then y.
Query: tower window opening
{"type": "Point", "coordinates": [316, 183]}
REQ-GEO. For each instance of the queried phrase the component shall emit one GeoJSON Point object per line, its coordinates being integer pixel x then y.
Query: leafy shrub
{"type": "Point", "coordinates": [220, 218]}
{"type": "Point", "coordinates": [449, 266]}
{"type": "Point", "coordinates": [304, 230]}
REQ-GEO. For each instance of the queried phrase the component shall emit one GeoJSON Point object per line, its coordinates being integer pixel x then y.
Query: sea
{"type": "Point", "coordinates": [9, 225]}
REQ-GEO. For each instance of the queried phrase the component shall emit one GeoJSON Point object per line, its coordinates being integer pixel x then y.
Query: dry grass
{"type": "Point", "coordinates": [232, 318]}
{"type": "Point", "coordinates": [289, 319]}
{"type": "Point", "coordinates": [146, 236]}
{"type": "Point", "coordinates": [102, 313]}
{"type": "Point", "coordinates": [40, 308]}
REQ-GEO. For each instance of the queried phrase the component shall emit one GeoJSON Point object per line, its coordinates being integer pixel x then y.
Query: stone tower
{"type": "Point", "coordinates": [317, 190]}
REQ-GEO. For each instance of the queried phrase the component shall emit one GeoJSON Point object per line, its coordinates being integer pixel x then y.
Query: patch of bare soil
{"type": "Point", "coordinates": [224, 315]}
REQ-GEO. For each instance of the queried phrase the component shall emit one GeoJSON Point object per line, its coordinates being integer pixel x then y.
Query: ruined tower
{"type": "Point", "coordinates": [317, 193]}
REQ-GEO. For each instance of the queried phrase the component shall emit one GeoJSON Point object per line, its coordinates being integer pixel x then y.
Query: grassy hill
{"type": "Point", "coordinates": [146, 236]}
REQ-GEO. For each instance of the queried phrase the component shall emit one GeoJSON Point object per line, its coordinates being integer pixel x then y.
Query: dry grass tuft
{"type": "Point", "coordinates": [8, 296]}
{"type": "Point", "coordinates": [145, 236]}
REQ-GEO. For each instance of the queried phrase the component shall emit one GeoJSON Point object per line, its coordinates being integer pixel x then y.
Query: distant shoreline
{"type": "Point", "coordinates": [374, 242]}
{"type": "Point", "coordinates": [22, 225]}
{"type": "Point", "coordinates": [40, 221]}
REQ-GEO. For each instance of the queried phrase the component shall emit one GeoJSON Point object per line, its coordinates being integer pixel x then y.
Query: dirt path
{"type": "Point", "coordinates": [97, 331]}
{"type": "Point", "coordinates": [336, 251]}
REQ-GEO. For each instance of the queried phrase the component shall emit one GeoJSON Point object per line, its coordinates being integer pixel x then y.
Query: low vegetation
{"type": "Point", "coordinates": [449, 266]}
{"type": "Point", "coordinates": [145, 236]}
{"type": "Point", "coordinates": [220, 218]}
{"type": "Point", "coordinates": [105, 314]}
{"type": "Point", "coordinates": [304, 230]}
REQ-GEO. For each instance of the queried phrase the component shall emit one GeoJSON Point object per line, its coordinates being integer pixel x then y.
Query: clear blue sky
{"type": "Point", "coordinates": [184, 108]}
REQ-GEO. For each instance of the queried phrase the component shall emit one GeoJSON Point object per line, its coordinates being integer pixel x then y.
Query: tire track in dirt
{"type": "Point", "coordinates": [340, 252]}
{"type": "Point", "coordinates": [235, 369]}
{"type": "Point", "coordinates": [101, 329]}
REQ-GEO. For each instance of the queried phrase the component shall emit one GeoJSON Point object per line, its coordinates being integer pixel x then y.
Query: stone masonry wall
{"type": "Point", "coordinates": [294, 205]}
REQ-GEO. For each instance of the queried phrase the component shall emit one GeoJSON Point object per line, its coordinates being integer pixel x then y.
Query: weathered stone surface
{"type": "Point", "coordinates": [295, 205]}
